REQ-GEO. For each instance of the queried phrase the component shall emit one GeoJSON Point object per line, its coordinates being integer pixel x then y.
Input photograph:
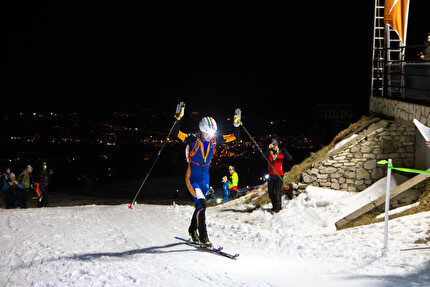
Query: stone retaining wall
{"type": "Point", "coordinates": [353, 167]}
{"type": "Point", "coordinates": [400, 110]}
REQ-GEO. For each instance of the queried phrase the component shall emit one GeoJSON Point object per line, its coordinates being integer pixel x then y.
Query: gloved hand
{"type": "Point", "coordinates": [180, 108]}
{"type": "Point", "coordinates": [237, 120]}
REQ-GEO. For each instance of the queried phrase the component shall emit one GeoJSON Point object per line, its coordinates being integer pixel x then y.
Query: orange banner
{"type": "Point", "coordinates": [396, 15]}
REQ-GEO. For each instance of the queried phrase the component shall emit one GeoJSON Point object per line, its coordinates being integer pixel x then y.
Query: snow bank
{"type": "Point", "coordinates": [398, 210]}
{"type": "Point", "coordinates": [115, 246]}
{"type": "Point", "coordinates": [343, 142]}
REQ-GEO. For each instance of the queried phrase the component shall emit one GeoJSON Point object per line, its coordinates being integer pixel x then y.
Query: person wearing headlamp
{"type": "Point", "coordinates": [200, 149]}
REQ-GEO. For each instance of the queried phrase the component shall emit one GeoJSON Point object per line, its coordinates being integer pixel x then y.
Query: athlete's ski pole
{"type": "Point", "coordinates": [256, 144]}
{"type": "Point", "coordinates": [178, 115]}
{"type": "Point", "coordinates": [153, 164]}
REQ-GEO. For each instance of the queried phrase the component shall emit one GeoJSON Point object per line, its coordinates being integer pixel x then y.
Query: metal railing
{"type": "Point", "coordinates": [407, 80]}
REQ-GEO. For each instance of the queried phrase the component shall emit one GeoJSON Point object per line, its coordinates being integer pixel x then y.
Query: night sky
{"type": "Point", "coordinates": [266, 56]}
{"type": "Point", "coordinates": [280, 61]}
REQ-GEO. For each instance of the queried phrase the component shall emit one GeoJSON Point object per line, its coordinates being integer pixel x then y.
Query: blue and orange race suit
{"type": "Point", "coordinates": [197, 176]}
{"type": "Point", "coordinates": [200, 156]}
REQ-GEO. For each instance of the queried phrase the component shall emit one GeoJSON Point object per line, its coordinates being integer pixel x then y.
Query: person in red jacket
{"type": "Point", "coordinates": [277, 157]}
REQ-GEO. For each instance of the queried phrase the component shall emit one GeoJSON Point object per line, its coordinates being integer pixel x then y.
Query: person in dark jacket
{"type": "Point", "coordinates": [43, 184]}
{"type": "Point", "coordinates": [11, 189]}
{"type": "Point", "coordinates": [426, 55]}
{"type": "Point", "coordinates": [5, 176]}
{"type": "Point", "coordinates": [277, 157]}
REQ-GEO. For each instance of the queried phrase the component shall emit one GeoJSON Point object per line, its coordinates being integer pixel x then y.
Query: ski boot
{"type": "Point", "coordinates": [206, 243]}
{"type": "Point", "coordinates": [194, 236]}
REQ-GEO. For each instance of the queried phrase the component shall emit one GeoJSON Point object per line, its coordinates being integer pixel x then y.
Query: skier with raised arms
{"type": "Point", "coordinates": [200, 149]}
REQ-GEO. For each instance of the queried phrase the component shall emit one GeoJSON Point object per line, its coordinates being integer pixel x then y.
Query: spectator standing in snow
{"type": "Point", "coordinates": [3, 179]}
{"type": "Point", "coordinates": [233, 183]}
{"type": "Point", "coordinates": [43, 184]}
{"type": "Point", "coordinates": [24, 179]}
{"type": "Point", "coordinates": [225, 188]}
{"type": "Point", "coordinates": [277, 157]}
{"type": "Point", "coordinates": [11, 189]}
{"type": "Point", "coordinates": [5, 175]}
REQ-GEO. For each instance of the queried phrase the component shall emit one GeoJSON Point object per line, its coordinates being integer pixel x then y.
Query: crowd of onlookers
{"type": "Point", "coordinates": [16, 190]}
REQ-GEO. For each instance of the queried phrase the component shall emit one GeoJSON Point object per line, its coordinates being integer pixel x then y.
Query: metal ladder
{"type": "Point", "coordinates": [386, 50]}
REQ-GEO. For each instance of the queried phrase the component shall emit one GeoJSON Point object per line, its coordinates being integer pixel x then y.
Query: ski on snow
{"type": "Point", "coordinates": [212, 250]}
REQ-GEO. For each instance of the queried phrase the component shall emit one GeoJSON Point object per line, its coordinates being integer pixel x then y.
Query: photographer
{"type": "Point", "coordinates": [276, 157]}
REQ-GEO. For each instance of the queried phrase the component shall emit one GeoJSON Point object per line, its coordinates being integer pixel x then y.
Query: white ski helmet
{"type": "Point", "coordinates": [208, 125]}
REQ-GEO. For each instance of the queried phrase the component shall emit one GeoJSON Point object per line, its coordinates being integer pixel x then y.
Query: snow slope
{"type": "Point", "coordinates": [115, 246]}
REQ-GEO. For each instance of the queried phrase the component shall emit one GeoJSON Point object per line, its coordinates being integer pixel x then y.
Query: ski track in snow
{"type": "Point", "coordinates": [114, 246]}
